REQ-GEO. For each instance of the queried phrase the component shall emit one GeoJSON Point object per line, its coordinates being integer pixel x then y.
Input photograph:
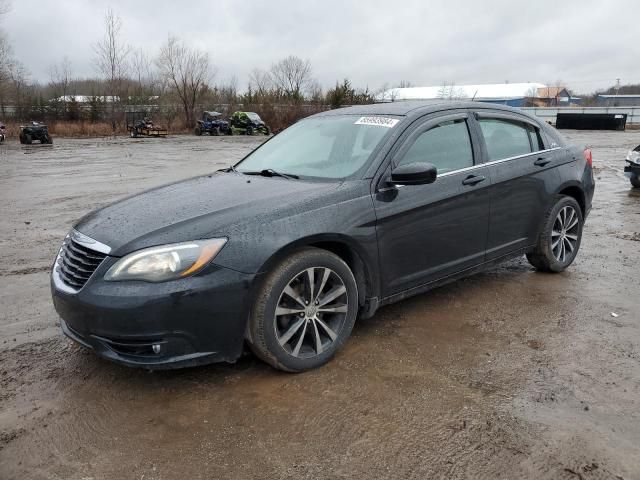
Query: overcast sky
{"type": "Point", "coordinates": [585, 44]}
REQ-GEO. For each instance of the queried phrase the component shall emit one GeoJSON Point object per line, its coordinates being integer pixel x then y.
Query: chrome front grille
{"type": "Point", "coordinates": [76, 263]}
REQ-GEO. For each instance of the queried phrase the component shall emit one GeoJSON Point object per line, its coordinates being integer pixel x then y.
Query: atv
{"type": "Point", "coordinates": [35, 131]}
{"type": "Point", "coordinates": [248, 123]}
{"type": "Point", "coordinates": [213, 124]}
{"type": "Point", "coordinates": [633, 169]}
{"type": "Point", "coordinates": [3, 132]}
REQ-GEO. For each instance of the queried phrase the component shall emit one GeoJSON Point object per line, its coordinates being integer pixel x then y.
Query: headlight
{"type": "Point", "coordinates": [633, 156]}
{"type": "Point", "coordinates": [166, 262]}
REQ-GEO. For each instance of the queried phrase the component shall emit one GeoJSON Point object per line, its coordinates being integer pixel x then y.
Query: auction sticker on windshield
{"type": "Point", "coordinates": [378, 121]}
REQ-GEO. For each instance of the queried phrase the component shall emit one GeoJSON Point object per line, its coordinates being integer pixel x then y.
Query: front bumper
{"type": "Point", "coordinates": [192, 321]}
{"type": "Point", "coordinates": [632, 169]}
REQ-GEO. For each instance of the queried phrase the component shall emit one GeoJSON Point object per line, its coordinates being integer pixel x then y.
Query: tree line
{"type": "Point", "coordinates": [174, 82]}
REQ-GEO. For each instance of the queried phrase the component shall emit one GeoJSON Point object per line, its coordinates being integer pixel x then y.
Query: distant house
{"type": "Point", "coordinates": [629, 100]}
{"type": "Point", "coordinates": [513, 94]}
{"type": "Point", "coordinates": [554, 97]}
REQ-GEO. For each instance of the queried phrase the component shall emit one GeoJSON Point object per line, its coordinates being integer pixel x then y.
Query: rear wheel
{"type": "Point", "coordinates": [197, 131]}
{"type": "Point", "coordinates": [304, 311]}
{"type": "Point", "coordinates": [27, 139]}
{"type": "Point", "coordinates": [560, 237]}
{"type": "Point", "coordinates": [249, 131]}
{"type": "Point", "coordinates": [635, 180]}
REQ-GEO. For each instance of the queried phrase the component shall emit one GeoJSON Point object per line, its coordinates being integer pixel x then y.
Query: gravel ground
{"type": "Point", "coordinates": [507, 374]}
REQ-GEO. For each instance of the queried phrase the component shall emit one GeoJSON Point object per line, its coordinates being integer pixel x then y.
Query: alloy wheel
{"type": "Point", "coordinates": [564, 234]}
{"type": "Point", "coordinates": [311, 312]}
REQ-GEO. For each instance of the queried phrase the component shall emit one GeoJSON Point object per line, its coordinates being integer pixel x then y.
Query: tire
{"type": "Point", "coordinates": [197, 131]}
{"type": "Point", "coordinates": [267, 131]}
{"type": "Point", "coordinates": [306, 337]}
{"type": "Point", "coordinates": [635, 180]}
{"type": "Point", "coordinates": [46, 140]}
{"type": "Point", "coordinates": [215, 132]}
{"type": "Point", "coordinates": [27, 139]}
{"type": "Point", "coordinates": [559, 240]}
{"type": "Point", "coordinates": [249, 131]}
{"type": "Point", "coordinates": [22, 139]}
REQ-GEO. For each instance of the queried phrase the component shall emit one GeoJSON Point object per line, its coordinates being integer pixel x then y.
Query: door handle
{"type": "Point", "coordinates": [473, 179]}
{"type": "Point", "coordinates": [541, 162]}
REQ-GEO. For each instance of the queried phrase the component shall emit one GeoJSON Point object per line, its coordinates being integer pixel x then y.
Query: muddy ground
{"type": "Point", "coordinates": [508, 374]}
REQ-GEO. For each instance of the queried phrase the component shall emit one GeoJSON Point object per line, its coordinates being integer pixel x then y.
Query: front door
{"type": "Point", "coordinates": [427, 232]}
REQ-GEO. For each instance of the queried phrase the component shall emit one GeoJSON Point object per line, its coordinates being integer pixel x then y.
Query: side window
{"type": "Point", "coordinates": [447, 146]}
{"type": "Point", "coordinates": [536, 138]}
{"type": "Point", "coordinates": [505, 139]}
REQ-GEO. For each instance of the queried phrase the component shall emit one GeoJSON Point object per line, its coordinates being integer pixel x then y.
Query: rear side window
{"type": "Point", "coordinates": [447, 146]}
{"type": "Point", "coordinates": [505, 139]}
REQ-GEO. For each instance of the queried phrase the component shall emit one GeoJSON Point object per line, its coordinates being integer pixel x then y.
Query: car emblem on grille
{"type": "Point", "coordinates": [79, 237]}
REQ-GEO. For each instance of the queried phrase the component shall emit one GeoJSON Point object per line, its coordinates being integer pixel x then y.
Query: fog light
{"type": "Point", "coordinates": [156, 348]}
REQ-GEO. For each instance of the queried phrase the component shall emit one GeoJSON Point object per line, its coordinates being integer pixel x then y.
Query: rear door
{"type": "Point", "coordinates": [426, 232]}
{"type": "Point", "coordinates": [522, 176]}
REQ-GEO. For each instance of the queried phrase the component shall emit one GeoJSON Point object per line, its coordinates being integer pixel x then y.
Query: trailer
{"type": "Point", "coordinates": [140, 125]}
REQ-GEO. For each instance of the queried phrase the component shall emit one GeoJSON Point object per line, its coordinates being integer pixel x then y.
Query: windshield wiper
{"type": "Point", "coordinates": [270, 172]}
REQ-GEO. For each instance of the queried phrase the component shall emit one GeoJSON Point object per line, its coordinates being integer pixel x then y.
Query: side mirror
{"type": "Point", "coordinates": [419, 173]}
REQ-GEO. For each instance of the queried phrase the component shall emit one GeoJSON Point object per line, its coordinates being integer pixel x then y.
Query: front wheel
{"type": "Point", "coordinates": [304, 311]}
{"type": "Point", "coordinates": [560, 237]}
{"type": "Point", "coordinates": [635, 180]}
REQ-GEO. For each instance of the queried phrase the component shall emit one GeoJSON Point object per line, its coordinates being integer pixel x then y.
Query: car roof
{"type": "Point", "coordinates": [416, 108]}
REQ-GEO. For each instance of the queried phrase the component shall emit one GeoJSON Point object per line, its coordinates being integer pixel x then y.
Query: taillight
{"type": "Point", "coordinates": [588, 156]}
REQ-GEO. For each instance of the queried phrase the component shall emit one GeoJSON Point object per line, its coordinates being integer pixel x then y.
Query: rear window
{"type": "Point", "coordinates": [505, 139]}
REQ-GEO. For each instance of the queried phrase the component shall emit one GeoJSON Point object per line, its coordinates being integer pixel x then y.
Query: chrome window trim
{"type": "Point", "coordinates": [494, 162]}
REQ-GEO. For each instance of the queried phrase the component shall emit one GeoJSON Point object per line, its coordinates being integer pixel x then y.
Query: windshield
{"type": "Point", "coordinates": [331, 147]}
{"type": "Point", "coordinates": [254, 116]}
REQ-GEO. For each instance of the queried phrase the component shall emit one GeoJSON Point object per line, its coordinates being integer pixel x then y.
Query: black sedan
{"type": "Point", "coordinates": [339, 214]}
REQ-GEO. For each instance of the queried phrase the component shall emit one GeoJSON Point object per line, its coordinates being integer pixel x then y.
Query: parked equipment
{"type": "Point", "coordinates": [248, 123]}
{"type": "Point", "coordinates": [35, 131]}
{"type": "Point", "coordinates": [633, 169]}
{"type": "Point", "coordinates": [213, 124]}
{"type": "Point", "coordinates": [140, 125]}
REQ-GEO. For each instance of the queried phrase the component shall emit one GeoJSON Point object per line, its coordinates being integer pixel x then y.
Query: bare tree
{"type": "Point", "coordinates": [187, 71]}
{"type": "Point", "coordinates": [111, 58]}
{"type": "Point", "coordinates": [405, 84]}
{"type": "Point", "coordinates": [260, 82]}
{"type": "Point", "coordinates": [60, 78]}
{"type": "Point", "coordinates": [144, 75]}
{"type": "Point", "coordinates": [386, 94]}
{"type": "Point", "coordinates": [6, 57]}
{"type": "Point", "coordinates": [292, 76]}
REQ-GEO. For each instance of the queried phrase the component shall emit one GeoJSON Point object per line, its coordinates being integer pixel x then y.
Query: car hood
{"type": "Point", "coordinates": [201, 207]}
